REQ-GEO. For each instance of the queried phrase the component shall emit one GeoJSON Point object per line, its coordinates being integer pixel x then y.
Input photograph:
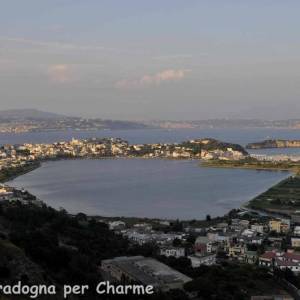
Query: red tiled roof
{"type": "Point", "coordinates": [282, 263]}
{"type": "Point", "coordinates": [268, 255]}
{"type": "Point", "coordinates": [294, 256]}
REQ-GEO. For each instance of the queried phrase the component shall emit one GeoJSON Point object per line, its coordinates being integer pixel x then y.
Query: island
{"type": "Point", "coordinates": [276, 143]}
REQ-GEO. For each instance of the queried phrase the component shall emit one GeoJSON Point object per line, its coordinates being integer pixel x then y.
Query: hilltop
{"type": "Point", "coordinates": [28, 120]}
{"type": "Point", "coordinates": [27, 114]}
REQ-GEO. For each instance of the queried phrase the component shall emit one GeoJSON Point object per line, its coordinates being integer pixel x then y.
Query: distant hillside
{"type": "Point", "coordinates": [27, 114]}
{"type": "Point", "coordinates": [227, 123]}
{"type": "Point", "coordinates": [26, 120]}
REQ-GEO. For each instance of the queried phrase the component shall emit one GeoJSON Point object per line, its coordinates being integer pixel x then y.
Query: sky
{"type": "Point", "coordinates": [152, 60]}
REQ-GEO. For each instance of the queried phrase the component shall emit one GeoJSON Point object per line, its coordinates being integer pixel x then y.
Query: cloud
{"type": "Point", "coordinates": [173, 57]}
{"type": "Point", "coordinates": [59, 45]}
{"type": "Point", "coordinates": [60, 73]}
{"type": "Point", "coordinates": [152, 80]}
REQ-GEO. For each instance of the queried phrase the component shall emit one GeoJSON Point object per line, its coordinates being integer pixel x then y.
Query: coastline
{"type": "Point", "coordinates": [18, 171]}
{"type": "Point", "coordinates": [234, 165]}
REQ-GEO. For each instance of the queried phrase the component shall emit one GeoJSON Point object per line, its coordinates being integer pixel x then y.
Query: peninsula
{"type": "Point", "coordinates": [250, 162]}
{"type": "Point", "coordinates": [19, 159]}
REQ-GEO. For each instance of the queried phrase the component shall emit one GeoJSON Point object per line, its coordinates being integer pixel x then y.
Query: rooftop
{"type": "Point", "coordinates": [148, 270]}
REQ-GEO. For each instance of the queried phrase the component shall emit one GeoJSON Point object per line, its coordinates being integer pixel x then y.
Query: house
{"type": "Point", "coordinates": [236, 251]}
{"type": "Point", "coordinates": [142, 226]}
{"type": "Point", "coordinates": [201, 245]}
{"type": "Point", "coordinates": [257, 240]}
{"type": "Point", "coordinates": [249, 233]}
{"type": "Point", "coordinates": [222, 226]}
{"type": "Point", "coordinates": [206, 260]}
{"type": "Point", "coordinates": [275, 225]}
{"type": "Point", "coordinates": [282, 260]}
{"type": "Point", "coordinates": [244, 223]}
{"type": "Point", "coordinates": [250, 257]}
{"type": "Point", "coordinates": [297, 230]}
{"type": "Point", "coordinates": [219, 237]}
{"type": "Point", "coordinates": [280, 226]}
{"type": "Point", "coordinates": [268, 258]}
{"type": "Point", "coordinates": [259, 228]}
{"type": "Point", "coordinates": [116, 225]}
{"type": "Point", "coordinates": [295, 218]}
{"type": "Point", "coordinates": [295, 241]}
{"type": "Point", "coordinates": [172, 251]}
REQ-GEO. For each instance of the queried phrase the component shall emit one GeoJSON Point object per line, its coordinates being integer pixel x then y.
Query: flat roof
{"type": "Point", "coordinates": [148, 270]}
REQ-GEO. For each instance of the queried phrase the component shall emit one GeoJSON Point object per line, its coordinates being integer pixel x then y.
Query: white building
{"type": "Point", "coordinates": [172, 251]}
{"type": "Point", "coordinates": [206, 260]}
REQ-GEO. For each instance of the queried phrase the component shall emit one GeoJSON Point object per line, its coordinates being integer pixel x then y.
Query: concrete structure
{"type": "Point", "coordinates": [172, 251]}
{"type": "Point", "coordinates": [143, 270]}
{"type": "Point", "coordinates": [295, 241]}
{"type": "Point", "coordinates": [206, 260]}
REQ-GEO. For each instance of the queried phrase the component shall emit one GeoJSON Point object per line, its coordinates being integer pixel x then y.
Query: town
{"type": "Point", "coordinates": [13, 156]}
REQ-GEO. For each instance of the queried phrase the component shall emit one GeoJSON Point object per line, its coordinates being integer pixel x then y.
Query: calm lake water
{"type": "Point", "coordinates": [148, 187]}
{"type": "Point", "coordinates": [145, 187]}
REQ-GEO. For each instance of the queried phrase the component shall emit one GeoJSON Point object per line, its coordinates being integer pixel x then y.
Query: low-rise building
{"type": "Point", "coordinates": [279, 226]}
{"type": "Point", "coordinates": [143, 270]}
{"type": "Point", "coordinates": [259, 228]}
{"type": "Point", "coordinates": [172, 251]}
{"type": "Point", "coordinates": [116, 225]}
{"type": "Point", "coordinates": [297, 230]}
{"type": "Point", "coordinates": [207, 260]}
{"type": "Point", "coordinates": [236, 251]}
{"type": "Point", "coordinates": [282, 260]}
{"type": "Point", "coordinates": [250, 257]}
{"type": "Point", "coordinates": [295, 241]}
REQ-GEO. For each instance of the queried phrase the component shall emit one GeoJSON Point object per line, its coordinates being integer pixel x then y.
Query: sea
{"type": "Point", "coordinates": [152, 188]}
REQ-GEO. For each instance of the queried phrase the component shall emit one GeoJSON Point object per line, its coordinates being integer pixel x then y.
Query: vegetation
{"type": "Point", "coordinates": [284, 196]}
{"type": "Point", "coordinates": [67, 249]}
{"type": "Point", "coordinates": [211, 145]}
{"type": "Point", "coordinates": [231, 282]}
{"type": "Point", "coordinates": [12, 172]}
{"type": "Point", "coordinates": [252, 163]}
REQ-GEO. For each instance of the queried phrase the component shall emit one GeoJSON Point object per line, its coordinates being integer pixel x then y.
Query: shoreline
{"type": "Point", "coordinates": [249, 166]}
{"type": "Point", "coordinates": [23, 170]}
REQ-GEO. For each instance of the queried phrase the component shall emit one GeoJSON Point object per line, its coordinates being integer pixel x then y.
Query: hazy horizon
{"type": "Point", "coordinates": [151, 60]}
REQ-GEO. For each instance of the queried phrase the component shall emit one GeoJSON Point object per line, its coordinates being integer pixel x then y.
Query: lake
{"type": "Point", "coordinates": [155, 188]}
